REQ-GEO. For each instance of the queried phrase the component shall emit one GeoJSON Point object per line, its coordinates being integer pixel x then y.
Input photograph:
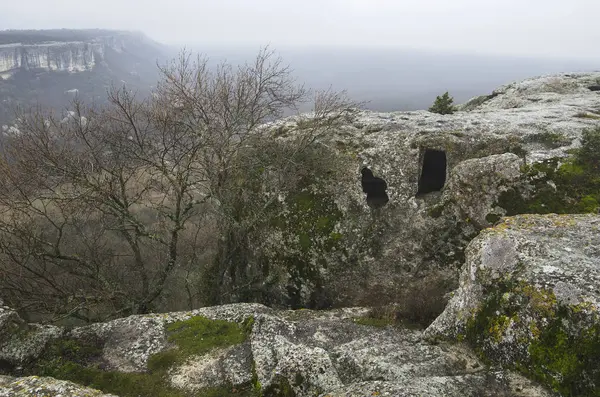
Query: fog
{"type": "Point", "coordinates": [400, 79]}
{"type": "Point", "coordinates": [548, 28]}
{"type": "Point", "coordinates": [395, 54]}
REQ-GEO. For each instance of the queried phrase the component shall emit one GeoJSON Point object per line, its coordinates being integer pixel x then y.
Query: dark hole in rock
{"type": "Point", "coordinates": [433, 173]}
{"type": "Point", "coordinates": [375, 188]}
{"type": "Point", "coordinates": [594, 87]}
{"type": "Point", "coordinates": [6, 367]}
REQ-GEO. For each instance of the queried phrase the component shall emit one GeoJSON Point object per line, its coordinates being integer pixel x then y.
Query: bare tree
{"type": "Point", "coordinates": [104, 209]}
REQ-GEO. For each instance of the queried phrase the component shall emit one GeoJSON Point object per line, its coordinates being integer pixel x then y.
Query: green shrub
{"type": "Point", "coordinates": [589, 154]}
{"type": "Point", "coordinates": [570, 188]}
{"type": "Point", "coordinates": [443, 104]}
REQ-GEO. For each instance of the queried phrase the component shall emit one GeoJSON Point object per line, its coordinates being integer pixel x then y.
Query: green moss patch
{"type": "Point", "coordinates": [492, 218]}
{"type": "Point", "coordinates": [436, 211]}
{"type": "Point", "coordinates": [196, 336]}
{"type": "Point", "coordinates": [572, 187]}
{"type": "Point", "coordinates": [560, 344]}
{"type": "Point", "coordinates": [80, 360]}
{"type": "Point", "coordinates": [280, 387]}
{"type": "Point", "coordinates": [309, 227]}
{"type": "Point", "coordinates": [567, 362]}
{"type": "Point", "coordinates": [566, 189]}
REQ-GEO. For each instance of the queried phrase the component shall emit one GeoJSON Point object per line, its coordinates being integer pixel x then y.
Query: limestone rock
{"type": "Point", "coordinates": [475, 185]}
{"type": "Point", "coordinates": [20, 341]}
{"type": "Point", "coordinates": [307, 352]}
{"type": "Point", "coordinates": [485, 146]}
{"type": "Point", "coordinates": [71, 56]}
{"type": "Point", "coordinates": [10, 322]}
{"type": "Point", "coordinates": [529, 298]}
{"type": "Point", "coordinates": [34, 386]}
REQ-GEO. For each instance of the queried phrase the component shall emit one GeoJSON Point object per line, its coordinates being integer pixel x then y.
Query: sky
{"type": "Point", "coordinates": [536, 28]}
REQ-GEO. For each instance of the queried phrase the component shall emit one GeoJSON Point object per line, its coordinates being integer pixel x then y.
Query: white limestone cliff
{"type": "Point", "coordinates": [64, 56]}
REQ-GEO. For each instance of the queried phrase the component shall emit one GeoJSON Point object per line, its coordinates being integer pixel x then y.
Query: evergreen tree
{"type": "Point", "coordinates": [443, 104]}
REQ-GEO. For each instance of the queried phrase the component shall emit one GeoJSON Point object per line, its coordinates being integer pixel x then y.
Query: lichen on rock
{"type": "Point", "coordinates": [529, 300]}
{"type": "Point", "coordinates": [299, 353]}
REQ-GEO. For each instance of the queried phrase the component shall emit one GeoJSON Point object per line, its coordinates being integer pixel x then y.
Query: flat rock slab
{"type": "Point", "coordinates": [327, 353]}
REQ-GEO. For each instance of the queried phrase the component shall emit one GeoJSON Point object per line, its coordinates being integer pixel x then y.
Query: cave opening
{"type": "Point", "coordinates": [433, 172]}
{"type": "Point", "coordinates": [375, 188]}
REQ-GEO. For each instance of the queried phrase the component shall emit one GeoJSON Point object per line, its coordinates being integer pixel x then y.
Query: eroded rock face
{"type": "Point", "coordinates": [62, 56]}
{"type": "Point", "coordinates": [529, 298]}
{"type": "Point", "coordinates": [69, 57]}
{"type": "Point", "coordinates": [485, 147]}
{"type": "Point", "coordinates": [306, 353]}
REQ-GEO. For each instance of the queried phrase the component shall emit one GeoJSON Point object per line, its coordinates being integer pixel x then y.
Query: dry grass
{"type": "Point", "coordinates": [417, 305]}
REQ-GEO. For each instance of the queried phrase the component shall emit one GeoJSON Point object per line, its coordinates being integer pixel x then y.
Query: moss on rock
{"type": "Point", "coordinates": [280, 387]}
{"type": "Point", "coordinates": [561, 345]}
{"type": "Point", "coordinates": [196, 336]}
{"type": "Point", "coordinates": [80, 360]}
{"type": "Point", "coordinates": [308, 225]}
{"type": "Point", "coordinates": [559, 186]}
{"type": "Point", "coordinates": [568, 188]}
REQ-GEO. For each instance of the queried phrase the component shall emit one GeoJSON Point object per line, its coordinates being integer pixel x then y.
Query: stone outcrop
{"type": "Point", "coordinates": [487, 146]}
{"type": "Point", "coordinates": [301, 353]}
{"type": "Point", "coordinates": [529, 298]}
{"type": "Point", "coordinates": [50, 67]}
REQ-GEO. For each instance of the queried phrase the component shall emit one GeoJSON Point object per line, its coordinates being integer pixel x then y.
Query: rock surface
{"type": "Point", "coordinates": [485, 145]}
{"type": "Point", "coordinates": [529, 298]}
{"type": "Point", "coordinates": [9, 321]}
{"type": "Point", "coordinates": [44, 387]}
{"type": "Point", "coordinates": [327, 353]}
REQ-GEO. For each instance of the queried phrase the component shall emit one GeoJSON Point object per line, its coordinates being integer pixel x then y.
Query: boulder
{"type": "Point", "coordinates": [20, 341]}
{"type": "Point", "coordinates": [10, 322]}
{"type": "Point", "coordinates": [529, 299]}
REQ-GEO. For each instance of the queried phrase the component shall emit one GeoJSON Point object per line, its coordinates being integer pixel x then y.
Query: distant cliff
{"type": "Point", "coordinates": [49, 67]}
{"type": "Point", "coordinates": [71, 57]}
{"type": "Point", "coordinates": [44, 50]}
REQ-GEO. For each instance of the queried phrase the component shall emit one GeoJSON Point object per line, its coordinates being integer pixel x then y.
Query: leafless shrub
{"type": "Point", "coordinates": [417, 304]}
{"type": "Point", "coordinates": [124, 209]}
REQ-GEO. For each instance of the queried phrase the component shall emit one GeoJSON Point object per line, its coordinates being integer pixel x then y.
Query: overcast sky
{"type": "Point", "coordinates": [557, 28]}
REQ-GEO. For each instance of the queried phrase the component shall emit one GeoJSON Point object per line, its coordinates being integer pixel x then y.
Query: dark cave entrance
{"type": "Point", "coordinates": [433, 172]}
{"type": "Point", "coordinates": [375, 188]}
